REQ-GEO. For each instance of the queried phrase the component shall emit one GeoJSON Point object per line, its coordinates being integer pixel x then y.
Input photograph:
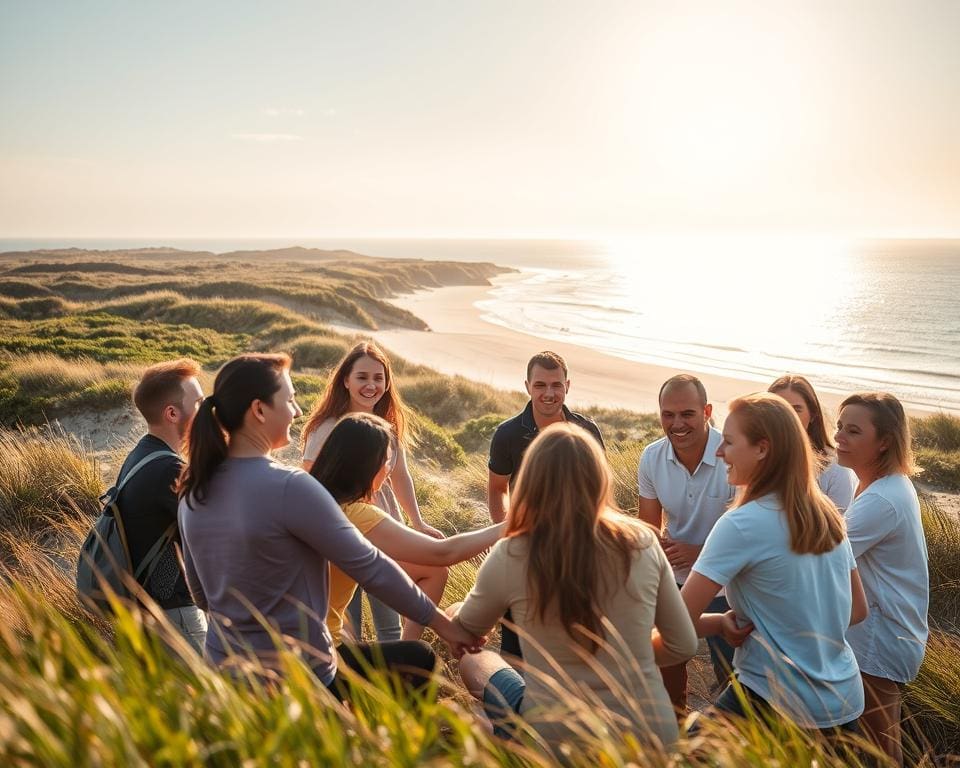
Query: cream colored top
{"type": "Point", "coordinates": [622, 678]}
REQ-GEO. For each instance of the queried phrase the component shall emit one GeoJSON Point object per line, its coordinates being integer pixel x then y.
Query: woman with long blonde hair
{"type": "Point", "coordinates": [836, 481]}
{"type": "Point", "coordinates": [585, 585]}
{"type": "Point", "coordinates": [883, 523]}
{"type": "Point", "coordinates": [362, 382]}
{"type": "Point", "coordinates": [788, 569]}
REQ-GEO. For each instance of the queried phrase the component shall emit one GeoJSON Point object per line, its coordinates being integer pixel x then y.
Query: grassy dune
{"type": "Point", "coordinates": [75, 690]}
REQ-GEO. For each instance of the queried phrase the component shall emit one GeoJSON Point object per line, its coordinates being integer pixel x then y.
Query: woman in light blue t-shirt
{"type": "Point", "coordinates": [789, 572]}
{"type": "Point", "coordinates": [883, 523]}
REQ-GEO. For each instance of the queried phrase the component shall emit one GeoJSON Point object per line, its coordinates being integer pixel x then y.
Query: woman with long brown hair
{"type": "Point", "coordinates": [836, 481]}
{"type": "Point", "coordinates": [883, 523]}
{"type": "Point", "coordinates": [258, 537]}
{"type": "Point", "coordinates": [789, 573]}
{"type": "Point", "coordinates": [585, 585]}
{"type": "Point", "coordinates": [362, 382]}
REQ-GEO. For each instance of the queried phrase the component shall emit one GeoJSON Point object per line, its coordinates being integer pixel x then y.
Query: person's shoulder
{"type": "Point", "coordinates": [894, 490]}
{"type": "Point", "coordinates": [169, 462]}
{"type": "Point", "coordinates": [655, 449]}
{"type": "Point", "coordinates": [510, 423]}
{"type": "Point", "coordinates": [585, 421]}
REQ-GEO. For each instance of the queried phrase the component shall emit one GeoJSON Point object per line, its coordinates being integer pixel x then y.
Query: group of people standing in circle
{"type": "Point", "coordinates": [799, 557]}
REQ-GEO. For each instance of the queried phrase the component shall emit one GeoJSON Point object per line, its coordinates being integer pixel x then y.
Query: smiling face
{"type": "Point", "coordinates": [547, 389]}
{"type": "Point", "coordinates": [741, 456]}
{"type": "Point", "coordinates": [278, 415]}
{"type": "Point", "coordinates": [859, 447]}
{"type": "Point", "coordinates": [366, 383]}
{"type": "Point", "coordinates": [685, 418]}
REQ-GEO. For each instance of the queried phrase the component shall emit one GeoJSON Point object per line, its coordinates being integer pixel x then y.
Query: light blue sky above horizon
{"type": "Point", "coordinates": [460, 119]}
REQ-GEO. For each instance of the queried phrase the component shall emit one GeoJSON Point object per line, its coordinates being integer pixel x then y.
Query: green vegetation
{"type": "Point", "coordinates": [74, 335]}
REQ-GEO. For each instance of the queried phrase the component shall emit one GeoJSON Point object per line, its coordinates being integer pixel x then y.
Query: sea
{"type": "Point", "coordinates": [850, 314]}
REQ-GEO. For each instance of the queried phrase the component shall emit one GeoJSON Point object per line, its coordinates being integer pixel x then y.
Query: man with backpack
{"type": "Point", "coordinates": [168, 396]}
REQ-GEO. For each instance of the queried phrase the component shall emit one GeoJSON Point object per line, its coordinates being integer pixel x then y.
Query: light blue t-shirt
{"type": "Point", "coordinates": [796, 658]}
{"type": "Point", "coordinates": [884, 527]}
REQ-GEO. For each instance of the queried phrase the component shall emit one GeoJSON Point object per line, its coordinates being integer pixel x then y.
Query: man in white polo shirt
{"type": "Point", "coordinates": [683, 492]}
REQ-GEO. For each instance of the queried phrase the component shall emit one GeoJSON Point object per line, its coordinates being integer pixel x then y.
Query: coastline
{"type": "Point", "coordinates": [461, 343]}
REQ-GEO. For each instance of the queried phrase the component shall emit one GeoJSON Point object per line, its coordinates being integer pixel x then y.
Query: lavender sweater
{"type": "Point", "coordinates": [262, 541]}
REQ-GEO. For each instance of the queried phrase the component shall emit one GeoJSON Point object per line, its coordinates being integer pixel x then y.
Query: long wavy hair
{"type": "Point", "coordinates": [890, 421]}
{"type": "Point", "coordinates": [352, 455]}
{"type": "Point", "coordinates": [335, 401]}
{"type": "Point", "coordinates": [818, 430]}
{"type": "Point", "coordinates": [789, 471]}
{"type": "Point", "coordinates": [580, 546]}
{"type": "Point", "coordinates": [241, 381]}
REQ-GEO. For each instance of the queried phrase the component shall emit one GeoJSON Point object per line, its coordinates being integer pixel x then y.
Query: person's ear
{"type": "Point", "coordinates": [171, 414]}
{"type": "Point", "coordinates": [763, 448]}
{"type": "Point", "coordinates": [708, 411]}
{"type": "Point", "coordinates": [256, 407]}
{"type": "Point", "coordinates": [526, 386]}
{"type": "Point", "coordinates": [566, 387]}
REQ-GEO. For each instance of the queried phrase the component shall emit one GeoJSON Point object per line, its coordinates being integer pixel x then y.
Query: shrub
{"type": "Point", "coordinates": [476, 434]}
{"type": "Point", "coordinates": [321, 352]}
{"type": "Point", "coordinates": [433, 443]}
{"type": "Point", "coordinates": [939, 467]}
{"type": "Point", "coordinates": [452, 400]}
{"type": "Point", "coordinates": [942, 532]}
{"type": "Point", "coordinates": [942, 430]}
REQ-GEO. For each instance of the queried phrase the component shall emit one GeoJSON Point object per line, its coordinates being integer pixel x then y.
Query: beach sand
{"type": "Point", "coordinates": [461, 342]}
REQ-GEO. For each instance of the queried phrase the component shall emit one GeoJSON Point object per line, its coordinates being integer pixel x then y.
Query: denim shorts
{"type": "Point", "coordinates": [502, 698]}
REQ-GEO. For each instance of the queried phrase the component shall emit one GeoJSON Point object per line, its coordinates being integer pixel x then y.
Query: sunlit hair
{"type": "Point", "coordinates": [580, 545]}
{"type": "Point", "coordinates": [162, 385]}
{"type": "Point", "coordinates": [680, 380]}
{"type": "Point", "coordinates": [549, 361]}
{"type": "Point", "coordinates": [352, 455]}
{"type": "Point", "coordinates": [241, 381]}
{"type": "Point", "coordinates": [888, 418]}
{"type": "Point", "coordinates": [335, 401]}
{"type": "Point", "coordinates": [787, 470]}
{"type": "Point", "coordinates": [818, 430]}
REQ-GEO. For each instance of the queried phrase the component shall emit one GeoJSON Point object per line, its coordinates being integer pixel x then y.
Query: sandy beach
{"type": "Point", "coordinates": [461, 342]}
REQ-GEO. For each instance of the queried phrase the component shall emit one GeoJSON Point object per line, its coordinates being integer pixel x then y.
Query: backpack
{"type": "Point", "coordinates": [104, 565]}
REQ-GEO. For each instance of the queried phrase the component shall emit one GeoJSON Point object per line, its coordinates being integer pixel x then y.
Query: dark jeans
{"type": "Point", "coordinates": [730, 703]}
{"type": "Point", "coordinates": [721, 652]}
{"type": "Point", "coordinates": [509, 641]}
{"type": "Point", "coordinates": [413, 660]}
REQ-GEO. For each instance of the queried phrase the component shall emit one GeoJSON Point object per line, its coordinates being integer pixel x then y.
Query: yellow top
{"type": "Point", "coordinates": [366, 517]}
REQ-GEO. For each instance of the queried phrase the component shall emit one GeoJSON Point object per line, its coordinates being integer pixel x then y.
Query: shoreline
{"type": "Point", "coordinates": [461, 342]}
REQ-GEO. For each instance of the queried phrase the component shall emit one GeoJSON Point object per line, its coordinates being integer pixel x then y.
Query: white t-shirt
{"type": "Point", "coordinates": [839, 483]}
{"type": "Point", "coordinates": [691, 503]}
{"type": "Point", "coordinates": [884, 527]}
{"type": "Point", "coordinates": [796, 658]}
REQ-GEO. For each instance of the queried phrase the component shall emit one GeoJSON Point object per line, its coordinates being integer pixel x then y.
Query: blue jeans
{"type": "Point", "coordinates": [721, 652]}
{"type": "Point", "coordinates": [503, 697]}
{"type": "Point", "coordinates": [192, 624]}
{"type": "Point", "coordinates": [733, 703]}
{"type": "Point", "coordinates": [386, 621]}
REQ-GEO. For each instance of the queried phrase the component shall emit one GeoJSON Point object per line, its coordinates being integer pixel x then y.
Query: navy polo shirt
{"type": "Point", "coordinates": [513, 437]}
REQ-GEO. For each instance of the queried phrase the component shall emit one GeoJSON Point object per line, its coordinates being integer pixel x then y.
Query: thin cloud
{"type": "Point", "coordinates": [267, 138]}
{"type": "Point", "coordinates": [278, 112]}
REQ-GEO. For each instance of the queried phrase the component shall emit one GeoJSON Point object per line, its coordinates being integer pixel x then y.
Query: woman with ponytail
{"type": "Point", "coordinates": [789, 572]}
{"type": "Point", "coordinates": [258, 536]}
{"type": "Point", "coordinates": [585, 585]}
{"type": "Point", "coordinates": [362, 382]}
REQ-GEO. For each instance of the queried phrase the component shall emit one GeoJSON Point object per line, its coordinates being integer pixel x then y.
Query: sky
{"type": "Point", "coordinates": [478, 119]}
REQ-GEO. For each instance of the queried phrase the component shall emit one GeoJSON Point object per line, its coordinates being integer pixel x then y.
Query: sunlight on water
{"type": "Point", "coordinates": [850, 315]}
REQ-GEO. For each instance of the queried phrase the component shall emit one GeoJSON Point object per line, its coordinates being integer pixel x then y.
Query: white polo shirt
{"type": "Point", "coordinates": [692, 503]}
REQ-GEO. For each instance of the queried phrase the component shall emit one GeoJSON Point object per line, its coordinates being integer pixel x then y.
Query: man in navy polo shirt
{"type": "Point", "coordinates": [548, 385]}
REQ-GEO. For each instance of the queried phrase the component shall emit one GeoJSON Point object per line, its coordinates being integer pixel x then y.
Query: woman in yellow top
{"type": "Point", "coordinates": [353, 465]}
{"type": "Point", "coordinates": [586, 586]}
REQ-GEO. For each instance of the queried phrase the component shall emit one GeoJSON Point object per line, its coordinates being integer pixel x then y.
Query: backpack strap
{"type": "Point", "coordinates": [151, 559]}
{"type": "Point", "coordinates": [141, 464]}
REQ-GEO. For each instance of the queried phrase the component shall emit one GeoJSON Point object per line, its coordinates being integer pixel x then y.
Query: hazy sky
{"type": "Point", "coordinates": [519, 118]}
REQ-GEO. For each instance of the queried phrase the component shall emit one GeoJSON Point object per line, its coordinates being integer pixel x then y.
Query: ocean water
{"type": "Point", "coordinates": [848, 314]}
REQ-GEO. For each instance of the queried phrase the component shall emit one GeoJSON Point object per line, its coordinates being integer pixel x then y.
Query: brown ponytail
{"type": "Point", "coordinates": [241, 381]}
